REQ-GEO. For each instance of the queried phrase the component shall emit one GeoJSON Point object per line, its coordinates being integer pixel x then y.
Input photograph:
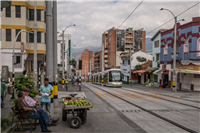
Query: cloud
{"type": "Point", "coordinates": [94, 18]}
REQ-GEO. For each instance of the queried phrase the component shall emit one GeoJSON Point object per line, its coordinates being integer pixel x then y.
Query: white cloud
{"type": "Point", "coordinates": [93, 18]}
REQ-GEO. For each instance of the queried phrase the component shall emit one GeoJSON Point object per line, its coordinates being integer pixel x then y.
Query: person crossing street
{"type": "Point", "coordinates": [66, 82]}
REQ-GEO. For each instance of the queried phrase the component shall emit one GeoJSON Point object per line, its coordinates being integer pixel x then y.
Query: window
{"type": "Point", "coordinates": [186, 46]}
{"type": "Point", "coordinates": [31, 37]}
{"type": "Point", "coordinates": [109, 48]}
{"type": "Point", "coordinates": [39, 37]}
{"type": "Point", "coordinates": [155, 78]}
{"type": "Point", "coordinates": [18, 59]}
{"type": "Point", "coordinates": [17, 11]}
{"type": "Point", "coordinates": [128, 62]}
{"type": "Point", "coordinates": [19, 37]}
{"type": "Point", "coordinates": [27, 37]}
{"type": "Point", "coordinates": [157, 57]}
{"type": "Point", "coordinates": [44, 16]}
{"type": "Point", "coordinates": [31, 14]}
{"type": "Point", "coordinates": [38, 15]}
{"type": "Point", "coordinates": [156, 44]}
{"type": "Point", "coordinates": [26, 13]}
{"type": "Point", "coordinates": [8, 34]}
{"type": "Point", "coordinates": [166, 49]}
{"type": "Point", "coordinates": [109, 43]}
{"type": "Point", "coordinates": [109, 39]}
{"type": "Point", "coordinates": [123, 62]}
{"type": "Point", "coordinates": [8, 11]}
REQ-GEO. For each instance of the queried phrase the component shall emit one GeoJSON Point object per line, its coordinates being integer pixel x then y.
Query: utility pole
{"type": "Point", "coordinates": [102, 64]}
{"type": "Point", "coordinates": [55, 87]}
{"type": "Point", "coordinates": [62, 46]}
{"type": "Point", "coordinates": [174, 59]}
{"type": "Point", "coordinates": [85, 72]}
{"type": "Point", "coordinates": [90, 69]}
{"type": "Point", "coordinates": [35, 43]}
{"type": "Point", "coordinates": [114, 60]}
{"type": "Point", "coordinates": [49, 48]}
{"type": "Point", "coordinates": [130, 67]}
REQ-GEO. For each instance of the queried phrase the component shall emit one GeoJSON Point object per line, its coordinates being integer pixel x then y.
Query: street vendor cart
{"type": "Point", "coordinates": [79, 113]}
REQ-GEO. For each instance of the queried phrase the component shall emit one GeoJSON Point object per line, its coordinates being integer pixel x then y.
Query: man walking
{"type": "Point", "coordinates": [3, 88]}
{"type": "Point", "coordinates": [66, 82]}
{"type": "Point", "coordinates": [45, 91]}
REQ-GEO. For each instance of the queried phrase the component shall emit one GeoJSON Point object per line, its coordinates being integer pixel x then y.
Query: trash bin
{"type": "Point", "coordinates": [10, 90]}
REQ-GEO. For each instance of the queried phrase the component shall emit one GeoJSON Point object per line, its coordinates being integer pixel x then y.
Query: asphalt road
{"type": "Point", "coordinates": [132, 110]}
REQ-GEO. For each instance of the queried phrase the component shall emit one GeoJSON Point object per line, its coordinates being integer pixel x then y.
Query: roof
{"type": "Point", "coordinates": [147, 64]}
{"type": "Point", "coordinates": [160, 30]}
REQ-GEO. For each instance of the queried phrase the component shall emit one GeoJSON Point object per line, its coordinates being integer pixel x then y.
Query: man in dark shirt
{"type": "Point", "coordinates": [32, 113]}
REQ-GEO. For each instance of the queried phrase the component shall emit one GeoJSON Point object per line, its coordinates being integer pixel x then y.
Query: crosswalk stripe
{"type": "Point", "coordinates": [99, 94]}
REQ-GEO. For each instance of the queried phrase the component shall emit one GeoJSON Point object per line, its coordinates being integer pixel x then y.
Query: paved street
{"type": "Point", "coordinates": [133, 110]}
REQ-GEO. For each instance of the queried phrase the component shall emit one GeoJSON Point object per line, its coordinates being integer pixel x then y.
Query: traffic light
{"type": "Point", "coordinates": [80, 64]}
{"type": "Point", "coordinates": [42, 66]}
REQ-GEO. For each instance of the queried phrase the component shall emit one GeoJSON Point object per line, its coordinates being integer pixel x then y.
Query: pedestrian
{"type": "Point", "coordinates": [72, 81]}
{"type": "Point", "coordinates": [45, 91]}
{"type": "Point", "coordinates": [66, 82]}
{"type": "Point", "coordinates": [3, 89]}
{"type": "Point", "coordinates": [77, 80]}
{"type": "Point", "coordinates": [33, 113]}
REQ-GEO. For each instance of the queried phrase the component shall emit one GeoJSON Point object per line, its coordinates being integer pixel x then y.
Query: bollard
{"type": "Point", "coordinates": [55, 95]}
{"type": "Point", "coordinates": [79, 87]}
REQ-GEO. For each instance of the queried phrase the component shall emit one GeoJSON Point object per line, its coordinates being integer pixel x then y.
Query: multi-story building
{"type": "Point", "coordinates": [86, 57]}
{"type": "Point", "coordinates": [97, 61]}
{"type": "Point", "coordinates": [129, 40]}
{"type": "Point", "coordinates": [67, 45]}
{"type": "Point", "coordinates": [156, 41]}
{"type": "Point", "coordinates": [20, 16]}
{"type": "Point", "coordinates": [187, 55]}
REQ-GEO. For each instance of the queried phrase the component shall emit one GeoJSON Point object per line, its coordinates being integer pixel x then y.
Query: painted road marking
{"type": "Point", "coordinates": [133, 95]}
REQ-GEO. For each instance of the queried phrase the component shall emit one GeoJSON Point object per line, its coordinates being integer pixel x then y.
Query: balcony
{"type": "Point", "coordinates": [106, 61]}
{"type": "Point", "coordinates": [106, 51]}
{"type": "Point", "coordinates": [105, 56]}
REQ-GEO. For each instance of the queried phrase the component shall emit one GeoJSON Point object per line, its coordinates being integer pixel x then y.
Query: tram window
{"type": "Point", "coordinates": [116, 76]}
{"type": "Point", "coordinates": [110, 77]}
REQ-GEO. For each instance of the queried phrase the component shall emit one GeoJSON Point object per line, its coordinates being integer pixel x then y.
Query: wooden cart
{"type": "Point", "coordinates": [79, 115]}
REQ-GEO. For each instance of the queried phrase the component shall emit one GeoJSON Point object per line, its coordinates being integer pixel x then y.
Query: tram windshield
{"type": "Point", "coordinates": [116, 76]}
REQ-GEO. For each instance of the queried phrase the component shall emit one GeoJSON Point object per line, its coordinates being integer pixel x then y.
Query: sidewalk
{"type": "Point", "coordinates": [183, 94]}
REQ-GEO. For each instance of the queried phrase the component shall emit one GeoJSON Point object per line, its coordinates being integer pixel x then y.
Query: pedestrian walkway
{"type": "Point", "coordinates": [183, 94]}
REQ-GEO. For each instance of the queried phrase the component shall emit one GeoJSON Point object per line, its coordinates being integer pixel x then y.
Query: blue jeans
{"type": "Point", "coordinates": [2, 99]}
{"type": "Point", "coordinates": [46, 106]}
{"type": "Point", "coordinates": [66, 86]}
{"type": "Point", "coordinates": [42, 117]}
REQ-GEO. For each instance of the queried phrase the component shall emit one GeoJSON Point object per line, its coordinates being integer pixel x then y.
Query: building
{"type": "Point", "coordinates": [187, 55]}
{"type": "Point", "coordinates": [97, 61]}
{"type": "Point", "coordinates": [86, 57]}
{"type": "Point", "coordinates": [156, 42]}
{"type": "Point", "coordinates": [125, 65]}
{"type": "Point", "coordinates": [67, 40]}
{"type": "Point", "coordinates": [20, 16]}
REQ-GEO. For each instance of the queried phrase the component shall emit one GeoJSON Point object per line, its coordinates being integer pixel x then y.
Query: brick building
{"type": "Point", "coordinates": [85, 57]}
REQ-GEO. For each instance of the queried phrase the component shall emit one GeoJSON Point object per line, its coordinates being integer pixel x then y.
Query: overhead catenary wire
{"type": "Point", "coordinates": [173, 18]}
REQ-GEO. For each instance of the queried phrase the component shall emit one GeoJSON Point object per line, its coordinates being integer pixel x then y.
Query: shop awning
{"type": "Point", "coordinates": [159, 71]}
{"type": "Point", "coordinates": [139, 71]}
{"type": "Point", "coordinates": [151, 69]}
{"type": "Point", "coordinates": [188, 69]}
{"type": "Point", "coordinates": [40, 57]}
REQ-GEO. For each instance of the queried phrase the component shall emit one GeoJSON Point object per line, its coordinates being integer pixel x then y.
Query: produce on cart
{"type": "Point", "coordinates": [77, 106]}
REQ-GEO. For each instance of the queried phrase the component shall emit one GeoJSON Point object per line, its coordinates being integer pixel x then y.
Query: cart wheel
{"type": "Point", "coordinates": [75, 122]}
{"type": "Point", "coordinates": [83, 117]}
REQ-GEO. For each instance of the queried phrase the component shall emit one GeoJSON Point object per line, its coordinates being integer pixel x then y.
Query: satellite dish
{"type": "Point", "coordinates": [5, 4]}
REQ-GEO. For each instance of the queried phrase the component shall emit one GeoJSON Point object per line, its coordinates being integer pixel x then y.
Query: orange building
{"type": "Point", "coordinates": [85, 57]}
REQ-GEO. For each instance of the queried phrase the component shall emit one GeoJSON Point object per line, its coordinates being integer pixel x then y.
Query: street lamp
{"type": "Point", "coordinates": [13, 72]}
{"type": "Point", "coordinates": [174, 59]}
{"type": "Point", "coordinates": [63, 31]}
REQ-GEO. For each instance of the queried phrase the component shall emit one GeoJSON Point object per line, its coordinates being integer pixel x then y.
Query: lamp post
{"type": "Point", "coordinates": [174, 59]}
{"type": "Point", "coordinates": [63, 32]}
{"type": "Point", "coordinates": [13, 72]}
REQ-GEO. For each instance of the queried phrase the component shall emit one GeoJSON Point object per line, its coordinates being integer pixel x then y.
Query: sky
{"type": "Point", "coordinates": [92, 19]}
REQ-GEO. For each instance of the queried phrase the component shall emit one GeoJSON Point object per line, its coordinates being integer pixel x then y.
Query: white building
{"type": "Point", "coordinates": [67, 39]}
{"type": "Point", "coordinates": [125, 65]}
{"type": "Point", "coordinates": [20, 16]}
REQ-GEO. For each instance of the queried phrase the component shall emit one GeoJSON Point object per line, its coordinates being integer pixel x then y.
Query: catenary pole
{"type": "Point", "coordinates": [35, 43]}
{"type": "Point", "coordinates": [102, 64]}
{"type": "Point", "coordinates": [49, 48]}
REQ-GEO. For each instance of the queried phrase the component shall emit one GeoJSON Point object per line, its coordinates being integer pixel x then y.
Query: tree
{"type": "Point", "coordinates": [138, 67]}
{"type": "Point", "coordinates": [72, 62]}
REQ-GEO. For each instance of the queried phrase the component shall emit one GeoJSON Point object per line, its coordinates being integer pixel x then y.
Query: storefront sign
{"type": "Point", "coordinates": [196, 75]}
{"type": "Point", "coordinates": [22, 47]}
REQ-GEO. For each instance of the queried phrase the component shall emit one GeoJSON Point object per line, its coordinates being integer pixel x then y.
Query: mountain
{"type": "Point", "coordinates": [78, 51]}
{"type": "Point", "coordinates": [148, 45]}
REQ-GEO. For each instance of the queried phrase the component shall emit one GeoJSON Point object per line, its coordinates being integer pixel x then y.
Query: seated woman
{"type": "Point", "coordinates": [32, 113]}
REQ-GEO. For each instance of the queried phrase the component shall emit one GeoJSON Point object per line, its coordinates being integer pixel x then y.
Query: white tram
{"type": "Point", "coordinates": [111, 77]}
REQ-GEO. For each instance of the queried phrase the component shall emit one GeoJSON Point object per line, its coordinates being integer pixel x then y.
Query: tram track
{"type": "Point", "coordinates": [146, 110]}
{"type": "Point", "coordinates": [161, 98]}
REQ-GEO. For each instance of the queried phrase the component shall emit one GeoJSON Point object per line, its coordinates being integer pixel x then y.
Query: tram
{"type": "Point", "coordinates": [111, 77]}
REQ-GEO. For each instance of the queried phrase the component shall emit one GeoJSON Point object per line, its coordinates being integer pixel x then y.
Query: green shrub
{"type": "Point", "coordinates": [6, 122]}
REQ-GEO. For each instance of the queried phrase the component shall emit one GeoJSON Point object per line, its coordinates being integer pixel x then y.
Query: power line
{"type": "Point", "coordinates": [173, 18]}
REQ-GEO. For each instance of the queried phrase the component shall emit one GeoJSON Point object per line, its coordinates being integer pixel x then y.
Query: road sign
{"type": "Point", "coordinates": [22, 47]}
